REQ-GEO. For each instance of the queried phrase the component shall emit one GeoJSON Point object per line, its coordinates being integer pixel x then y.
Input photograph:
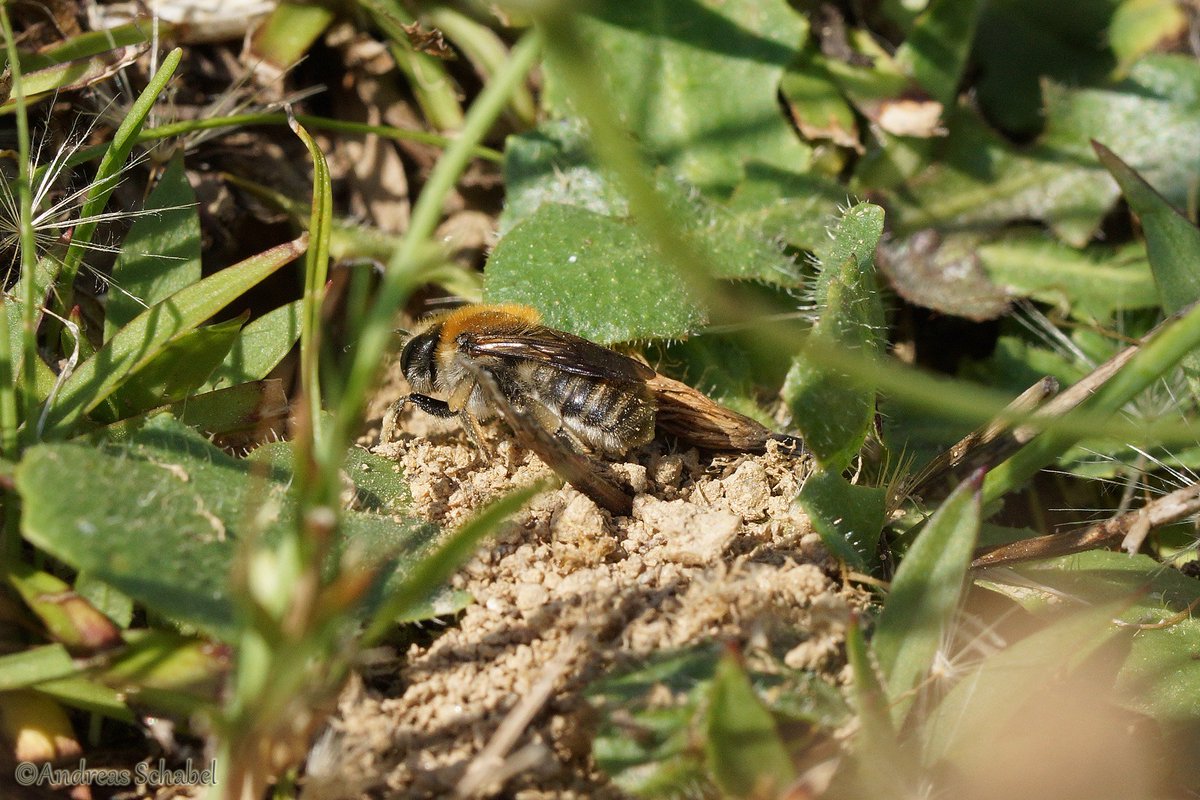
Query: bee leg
{"type": "Point", "coordinates": [430, 405]}
{"type": "Point", "coordinates": [474, 432]}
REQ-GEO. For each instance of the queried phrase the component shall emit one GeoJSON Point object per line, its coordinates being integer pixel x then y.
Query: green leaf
{"type": "Point", "coordinates": [259, 348]}
{"type": "Point", "coordinates": [169, 489]}
{"type": "Point", "coordinates": [109, 171]}
{"type": "Point", "coordinates": [660, 758]}
{"type": "Point", "coordinates": [141, 340]}
{"type": "Point", "coordinates": [935, 51]}
{"type": "Point", "coordinates": [168, 672]}
{"type": "Point", "coordinates": [653, 55]}
{"type": "Point", "coordinates": [1019, 44]}
{"type": "Point", "coordinates": [878, 760]}
{"type": "Point", "coordinates": [113, 604]}
{"type": "Point", "coordinates": [833, 413]}
{"type": "Point", "coordinates": [34, 665]}
{"type": "Point", "coordinates": [88, 695]}
{"type": "Point", "coordinates": [161, 253]}
{"type": "Point", "coordinates": [848, 517]}
{"type": "Point", "coordinates": [1091, 284]}
{"type": "Point", "coordinates": [981, 182]}
{"type": "Point", "coordinates": [923, 602]}
{"type": "Point", "coordinates": [591, 275]}
{"type": "Point", "coordinates": [745, 753]}
{"type": "Point", "coordinates": [180, 368]}
{"type": "Point", "coordinates": [1172, 241]}
{"type": "Point", "coordinates": [817, 104]}
{"type": "Point", "coordinates": [1140, 26]}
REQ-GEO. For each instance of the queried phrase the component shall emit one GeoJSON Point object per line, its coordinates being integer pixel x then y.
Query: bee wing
{"type": "Point", "coordinates": [694, 418]}
{"type": "Point", "coordinates": [562, 350]}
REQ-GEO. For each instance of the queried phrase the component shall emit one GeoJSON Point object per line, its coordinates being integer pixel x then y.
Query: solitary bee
{"type": "Point", "coordinates": [563, 396]}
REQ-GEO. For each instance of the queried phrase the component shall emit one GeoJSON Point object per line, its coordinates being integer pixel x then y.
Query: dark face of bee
{"type": "Point", "coordinates": [418, 360]}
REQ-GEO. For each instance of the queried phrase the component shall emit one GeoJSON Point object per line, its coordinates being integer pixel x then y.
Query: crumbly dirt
{"type": "Point", "coordinates": [714, 549]}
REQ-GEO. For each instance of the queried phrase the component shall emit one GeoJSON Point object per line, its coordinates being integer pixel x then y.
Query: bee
{"type": "Point", "coordinates": [566, 398]}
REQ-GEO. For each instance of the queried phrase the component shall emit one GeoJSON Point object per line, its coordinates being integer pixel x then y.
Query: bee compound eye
{"type": "Point", "coordinates": [417, 360]}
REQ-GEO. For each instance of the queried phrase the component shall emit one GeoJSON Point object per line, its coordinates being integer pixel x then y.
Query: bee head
{"type": "Point", "coordinates": [418, 359]}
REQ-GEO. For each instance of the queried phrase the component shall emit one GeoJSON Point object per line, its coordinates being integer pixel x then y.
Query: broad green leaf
{"type": "Point", "coordinates": [745, 752]}
{"type": "Point", "coordinates": [136, 344]}
{"type": "Point", "coordinates": [669, 66]}
{"type": "Point", "coordinates": [161, 253]}
{"type": "Point", "coordinates": [936, 48]}
{"type": "Point", "coordinates": [921, 607]}
{"type": "Point", "coordinates": [379, 482]}
{"type": "Point", "coordinates": [552, 165]}
{"type": "Point", "coordinates": [170, 490]}
{"type": "Point", "coordinates": [817, 104]}
{"type": "Point", "coordinates": [981, 182]}
{"type": "Point", "coordinates": [113, 604]}
{"type": "Point", "coordinates": [180, 368]}
{"type": "Point", "coordinates": [1090, 284]}
{"type": "Point", "coordinates": [591, 275]}
{"type": "Point", "coordinates": [848, 517]}
{"type": "Point", "coordinates": [1172, 241]}
{"type": "Point", "coordinates": [259, 348]}
{"type": "Point", "coordinates": [795, 208]}
{"type": "Point", "coordinates": [1021, 43]}
{"type": "Point", "coordinates": [833, 413]}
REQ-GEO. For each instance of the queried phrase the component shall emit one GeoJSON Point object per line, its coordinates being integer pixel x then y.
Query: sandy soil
{"type": "Point", "coordinates": [564, 594]}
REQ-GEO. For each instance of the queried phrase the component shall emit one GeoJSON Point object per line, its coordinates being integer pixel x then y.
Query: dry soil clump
{"type": "Point", "coordinates": [565, 593]}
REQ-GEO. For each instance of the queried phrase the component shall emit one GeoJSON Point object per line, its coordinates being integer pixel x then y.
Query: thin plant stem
{"type": "Point", "coordinates": [402, 269]}
{"type": "Point", "coordinates": [30, 303]}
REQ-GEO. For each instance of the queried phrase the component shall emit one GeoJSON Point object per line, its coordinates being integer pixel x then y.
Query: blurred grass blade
{"type": "Point", "coordinates": [435, 568]}
{"type": "Point", "coordinates": [745, 753]}
{"type": "Point", "coordinates": [923, 602]}
{"type": "Point", "coordinates": [877, 755]}
{"type": "Point", "coordinates": [70, 75]}
{"type": "Point", "coordinates": [427, 78]}
{"type": "Point", "coordinates": [106, 178]}
{"type": "Point", "coordinates": [161, 252]}
{"type": "Point", "coordinates": [32, 666]}
{"type": "Point", "coordinates": [960, 729]}
{"type": "Point", "coordinates": [145, 337]}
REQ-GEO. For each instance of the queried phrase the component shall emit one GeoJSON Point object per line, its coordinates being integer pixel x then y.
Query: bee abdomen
{"type": "Point", "coordinates": [612, 417]}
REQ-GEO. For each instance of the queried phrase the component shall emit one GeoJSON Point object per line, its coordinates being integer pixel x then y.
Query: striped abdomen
{"type": "Point", "coordinates": [610, 416]}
